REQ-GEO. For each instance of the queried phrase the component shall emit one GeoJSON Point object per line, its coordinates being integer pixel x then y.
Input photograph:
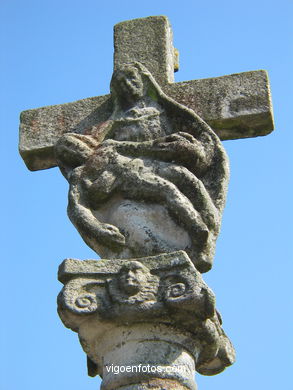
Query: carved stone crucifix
{"type": "Point", "coordinates": [148, 179]}
{"type": "Point", "coordinates": [235, 106]}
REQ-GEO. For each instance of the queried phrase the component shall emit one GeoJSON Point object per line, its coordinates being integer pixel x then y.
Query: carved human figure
{"type": "Point", "coordinates": [133, 284]}
{"type": "Point", "coordinates": [133, 278]}
{"type": "Point", "coordinates": [153, 167]}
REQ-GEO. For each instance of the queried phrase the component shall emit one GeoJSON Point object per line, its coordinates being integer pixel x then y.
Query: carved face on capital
{"type": "Point", "coordinates": [127, 83]}
{"type": "Point", "coordinates": [133, 277]}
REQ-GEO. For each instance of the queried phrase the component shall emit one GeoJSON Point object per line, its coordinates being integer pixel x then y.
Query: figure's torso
{"type": "Point", "coordinates": [138, 125]}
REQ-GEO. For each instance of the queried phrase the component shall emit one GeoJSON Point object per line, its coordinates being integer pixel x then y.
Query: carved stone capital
{"type": "Point", "coordinates": [153, 311]}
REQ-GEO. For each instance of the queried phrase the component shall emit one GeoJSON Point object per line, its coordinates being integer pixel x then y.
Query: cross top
{"type": "Point", "coordinates": [150, 42]}
{"type": "Point", "coordinates": [235, 106]}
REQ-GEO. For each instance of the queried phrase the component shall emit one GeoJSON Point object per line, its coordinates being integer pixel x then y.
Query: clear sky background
{"type": "Point", "coordinates": [60, 51]}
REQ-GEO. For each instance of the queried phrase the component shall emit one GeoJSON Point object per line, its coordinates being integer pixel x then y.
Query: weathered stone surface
{"type": "Point", "coordinates": [156, 384]}
{"type": "Point", "coordinates": [156, 183]}
{"type": "Point", "coordinates": [153, 311]}
{"type": "Point", "coordinates": [235, 106]}
{"type": "Point", "coordinates": [41, 128]}
{"type": "Point", "coordinates": [148, 41]}
{"type": "Point", "coordinates": [147, 176]}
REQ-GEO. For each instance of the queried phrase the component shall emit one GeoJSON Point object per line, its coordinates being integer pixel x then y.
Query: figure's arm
{"type": "Point", "coordinates": [72, 150]}
{"type": "Point", "coordinates": [93, 231]}
{"type": "Point", "coordinates": [181, 148]}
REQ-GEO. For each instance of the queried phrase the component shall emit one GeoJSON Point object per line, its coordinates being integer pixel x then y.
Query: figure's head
{"type": "Point", "coordinates": [133, 277]}
{"type": "Point", "coordinates": [127, 83]}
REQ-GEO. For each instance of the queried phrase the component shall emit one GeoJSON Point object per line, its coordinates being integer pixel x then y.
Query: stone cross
{"type": "Point", "coordinates": [235, 106]}
{"type": "Point", "coordinates": [147, 186]}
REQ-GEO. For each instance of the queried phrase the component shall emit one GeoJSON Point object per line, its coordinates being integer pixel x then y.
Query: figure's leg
{"type": "Point", "coordinates": [194, 190]}
{"type": "Point", "coordinates": [94, 232]}
{"type": "Point", "coordinates": [102, 188]}
{"type": "Point", "coordinates": [144, 184]}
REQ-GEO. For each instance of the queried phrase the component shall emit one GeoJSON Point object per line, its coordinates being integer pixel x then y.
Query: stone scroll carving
{"type": "Point", "coordinates": [151, 179]}
{"type": "Point", "coordinates": [164, 290]}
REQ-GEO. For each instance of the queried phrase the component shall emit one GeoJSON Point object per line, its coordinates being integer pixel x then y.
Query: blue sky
{"type": "Point", "coordinates": [60, 51]}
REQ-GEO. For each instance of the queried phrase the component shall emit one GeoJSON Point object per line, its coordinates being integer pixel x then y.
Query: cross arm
{"type": "Point", "coordinates": [41, 128]}
{"type": "Point", "coordinates": [235, 106]}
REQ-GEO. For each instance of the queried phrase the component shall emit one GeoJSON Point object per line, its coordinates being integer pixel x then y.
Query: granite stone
{"type": "Point", "coordinates": [153, 311]}
{"type": "Point", "coordinates": [148, 178]}
{"type": "Point", "coordinates": [235, 106]}
{"type": "Point", "coordinates": [157, 180]}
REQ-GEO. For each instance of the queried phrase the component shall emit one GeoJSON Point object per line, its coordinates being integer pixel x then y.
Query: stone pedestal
{"type": "Point", "coordinates": [144, 323]}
